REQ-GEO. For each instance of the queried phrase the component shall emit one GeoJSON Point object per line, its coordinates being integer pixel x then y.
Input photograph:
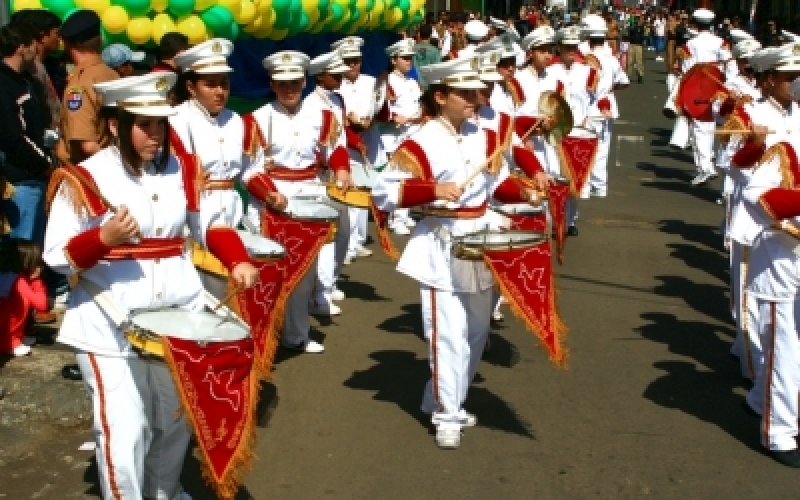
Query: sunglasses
{"type": "Point", "coordinates": [405, 58]}
{"type": "Point", "coordinates": [354, 60]}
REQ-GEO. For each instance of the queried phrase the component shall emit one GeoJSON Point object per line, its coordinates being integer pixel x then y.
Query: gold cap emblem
{"type": "Point", "coordinates": [162, 84]}
{"type": "Point", "coordinates": [475, 63]}
{"type": "Point", "coordinates": [494, 58]}
{"type": "Point", "coordinates": [286, 58]}
{"type": "Point", "coordinates": [796, 49]}
{"type": "Point", "coordinates": [216, 48]}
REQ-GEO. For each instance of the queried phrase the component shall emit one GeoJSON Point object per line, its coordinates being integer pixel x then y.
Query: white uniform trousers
{"type": "Point", "coordinates": [598, 179]}
{"type": "Point", "coordinates": [359, 218]}
{"type": "Point", "coordinates": [702, 137]}
{"type": "Point", "coordinates": [296, 320]}
{"type": "Point", "coordinates": [780, 384]}
{"type": "Point", "coordinates": [331, 255]}
{"type": "Point", "coordinates": [680, 133]}
{"type": "Point", "coordinates": [747, 344]}
{"type": "Point", "coordinates": [141, 435]}
{"type": "Point", "coordinates": [456, 326]}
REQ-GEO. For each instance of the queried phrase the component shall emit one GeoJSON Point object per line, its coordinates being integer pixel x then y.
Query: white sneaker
{"type": "Point", "coordinates": [337, 295]}
{"type": "Point", "coordinates": [400, 229]}
{"type": "Point", "coordinates": [348, 259]}
{"type": "Point", "coordinates": [468, 419]}
{"type": "Point", "coordinates": [599, 194]}
{"type": "Point", "coordinates": [29, 340]}
{"type": "Point", "coordinates": [310, 347]}
{"type": "Point", "coordinates": [22, 350]}
{"type": "Point", "coordinates": [498, 316]}
{"type": "Point", "coordinates": [448, 439]}
{"type": "Point", "coordinates": [363, 252]}
{"type": "Point", "coordinates": [585, 195]}
{"type": "Point", "coordinates": [659, 58]}
{"type": "Point", "coordinates": [700, 179]}
{"type": "Point", "coordinates": [323, 306]}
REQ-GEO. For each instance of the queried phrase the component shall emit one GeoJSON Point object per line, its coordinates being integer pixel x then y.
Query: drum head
{"type": "Point", "coordinates": [561, 179]}
{"type": "Point", "coordinates": [199, 326]}
{"type": "Point", "coordinates": [519, 209]}
{"type": "Point", "coordinates": [583, 133]}
{"type": "Point", "coordinates": [312, 210]}
{"type": "Point", "coordinates": [362, 175]}
{"type": "Point", "coordinates": [502, 239]}
{"type": "Point", "coordinates": [259, 246]}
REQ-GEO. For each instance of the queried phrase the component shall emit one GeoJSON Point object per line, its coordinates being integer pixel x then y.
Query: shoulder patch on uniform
{"type": "Point", "coordinates": [74, 98]}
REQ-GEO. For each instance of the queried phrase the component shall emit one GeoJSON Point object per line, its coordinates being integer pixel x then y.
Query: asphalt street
{"type": "Point", "coordinates": [649, 405]}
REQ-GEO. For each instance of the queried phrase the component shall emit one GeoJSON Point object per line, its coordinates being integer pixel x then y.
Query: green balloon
{"type": "Point", "coordinates": [370, 4]}
{"type": "Point", "coordinates": [61, 8]}
{"type": "Point", "coordinates": [136, 8]}
{"type": "Point", "coordinates": [337, 12]}
{"type": "Point", "coordinates": [180, 8]}
{"type": "Point", "coordinates": [217, 19]}
{"type": "Point", "coordinates": [296, 6]}
{"type": "Point", "coordinates": [304, 21]}
{"type": "Point", "coordinates": [404, 5]}
{"type": "Point", "coordinates": [280, 5]}
{"type": "Point", "coordinates": [234, 30]}
{"type": "Point", "coordinates": [323, 7]}
{"type": "Point", "coordinates": [283, 19]}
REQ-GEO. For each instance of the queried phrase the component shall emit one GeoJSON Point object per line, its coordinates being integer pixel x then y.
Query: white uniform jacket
{"type": "Point", "coordinates": [704, 48]}
{"type": "Point", "coordinates": [580, 87]}
{"type": "Point", "coordinates": [402, 98]}
{"type": "Point", "coordinates": [363, 99]}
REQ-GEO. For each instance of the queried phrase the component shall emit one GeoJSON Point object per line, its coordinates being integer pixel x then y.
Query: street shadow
{"type": "Point", "coordinates": [360, 291]}
{"type": "Point", "coordinates": [284, 353]}
{"type": "Point", "coordinates": [662, 136]}
{"type": "Point", "coordinates": [680, 184]}
{"type": "Point", "coordinates": [410, 321]}
{"type": "Point", "coordinates": [501, 351]}
{"type": "Point", "coordinates": [707, 299]}
{"type": "Point", "coordinates": [709, 261]}
{"type": "Point", "coordinates": [703, 234]}
{"type": "Point", "coordinates": [399, 377]}
{"type": "Point", "coordinates": [662, 172]}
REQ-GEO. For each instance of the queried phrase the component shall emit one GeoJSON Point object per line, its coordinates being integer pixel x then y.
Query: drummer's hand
{"type": "Point", "coordinates": [343, 180]}
{"type": "Point", "coordinates": [606, 113]}
{"type": "Point", "coordinates": [542, 181]}
{"type": "Point", "coordinates": [245, 274]}
{"type": "Point", "coordinates": [534, 196]}
{"type": "Point", "coordinates": [547, 124]}
{"type": "Point", "coordinates": [400, 119]}
{"type": "Point", "coordinates": [277, 201]}
{"type": "Point", "coordinates": [758, 134]}
{"type": "Point", "coordinates": [121, 228]}
{"type": "Point", "coordinates": [448, 191]}
{"type": "Point", "coordinates": [353, 118]}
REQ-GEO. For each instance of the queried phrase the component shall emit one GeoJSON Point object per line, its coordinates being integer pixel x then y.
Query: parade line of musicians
{"type": "Point", "coordinates": [132, 190]}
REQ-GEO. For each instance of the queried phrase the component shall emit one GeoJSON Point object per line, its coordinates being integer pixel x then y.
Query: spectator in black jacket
{"type": "Point", "coordinates": [636, 38]}
{"type": "Point", "coordinates": [22, 123]}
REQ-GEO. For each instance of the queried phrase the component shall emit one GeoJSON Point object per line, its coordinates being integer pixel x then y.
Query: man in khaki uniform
{"type": "Point", "coordinates": [83, 126]}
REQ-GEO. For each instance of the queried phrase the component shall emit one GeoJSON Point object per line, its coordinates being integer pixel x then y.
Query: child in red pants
{"type": "Point", "coordinates": [27, 291]}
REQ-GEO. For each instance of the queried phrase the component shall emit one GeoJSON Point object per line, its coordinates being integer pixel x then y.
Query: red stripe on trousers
{"type": "Point", "coordinates": [434, 351]}
{"type": "Point", "coordinates": [106, 430]}
{"type": "Point", "coordinates": [767, 416]}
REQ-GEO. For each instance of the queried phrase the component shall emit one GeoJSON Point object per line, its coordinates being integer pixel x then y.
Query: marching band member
{"type": "Point", "coordinates": [580, 85]}
{"type": "Point", "coordinates": [203, 126]}
{"type": "Point", "coordinates": [427, 171]}
{"type": "Point", "coordinates": [773, 276]}
{"type": "Point", "coordinates": [775, 111]}
{"type": "Point", "coordinates": [360, 93]}
{"type": "Point", "coordinates": [401, 113]}
{"type": "Point", "coordinates": [604, 109]}
{"type": "Point", "coordinates": [292, 134]}
{"type": "Point", "coordinates": [328, 71]}
{"type": "Point", "coordinates": [476, 33]}
{"type": "Point", "coordinates": [703, 48]}
{"type": "Point", "coordinates": [508, 95]}
{"type": "Point", "coordinates": [136, 258]}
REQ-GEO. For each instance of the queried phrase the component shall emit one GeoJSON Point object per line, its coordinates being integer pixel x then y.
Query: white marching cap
{"type": "Point", "coordinates": [745, 48]}
{"type": "Point", "coordinates": [594, 26]}
{"type": "Point", "coordinates": [543, 35]}
{"type": "Point", "coordinates": [759, 60]}
{"type": "Point", "coordinates": [785, 58]}
{"type": "Point", "coordinates": [703, 16]}
{"type": "Point", "coordinates": [141, 95]}
{"type": "Point", "coordinates": [327, 63]}
{"type": "Point", "coordinates": [487, 71]}
{"type": "Point", "coordinates": [349, 46]}
{"type": "Point", "coordinates": [569, 35]}
{"type": "Point", "coordinates": [475, 30]}
{"type": "Point", "coordinates": [206, 58]}
{"type": "Point", "coordinates": [497, 23]}
{"type": "Point", "coordinates": [737, 35]}
{"type": "Point", "coordinates": [404, 47]}
{"type": "Point", "coordinates": [286, 65]}
{"type": "Point", "coordinates": [506, 43]}
{"type": "Point", "coordinates": [789, 36]}
{"type": "Point", "coordinates": [461, 73]}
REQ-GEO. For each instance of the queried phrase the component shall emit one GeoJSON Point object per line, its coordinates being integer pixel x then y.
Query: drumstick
{"type": "Point", "coordinates": [228, 297]}
{"type": "Point", "coordinates": [491, 158]}
{"type": "Point", "coordinates": [742, 131]}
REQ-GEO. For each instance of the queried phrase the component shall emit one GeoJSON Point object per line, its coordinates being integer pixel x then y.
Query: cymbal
{"type": "Point", "coordinates": [553, 105]}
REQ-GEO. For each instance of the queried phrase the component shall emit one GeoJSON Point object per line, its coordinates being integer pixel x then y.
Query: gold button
{"type": "Point", "coordinates": [296, 133]}
{"type": "Point", "coordinates": [459, 140]}
{"type": "Point", "coordinates": [467, 162]}
{"type": "Point", "coordinates": [223, 210]}
{"type": "Point", "coordinates": [298, 153]}
{"type": "Point", "coordinates": [158, 295]}
{"type": "Point", "coordinates": [158, 231]}
{"type": "Point", "coordinates": [225, 163]}
{"type": "Point", "coordinates": [157, 260]}
{"type": "Point", "coordinates": [155, 197]}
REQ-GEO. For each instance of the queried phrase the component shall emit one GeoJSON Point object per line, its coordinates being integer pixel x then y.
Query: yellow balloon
{"type": "Point", "coordinates": [193, 27]}
{"type": "Point", "coordinates": [247, 13]}
{"type": "Point", "coordinates": [162, 24]}
{"type": "Point", "coordinates": [115, 19]}
{"type": "Point", "coordinates": [313, 17]}
{"type": "Point", "coordinates": [310, 5]}
{"type": "Point", "coordinates": [395, 15]}
{"type": "Point", "coordinates": [278, 34]}
{"type": "Point", "coordinates": [81, 4]}
{"type": "Point", "coordinates": [269, 17]}
{"type": "Point", "coordinates": [265, 5]}
{"type": "Point", "coordinates": [27, 4]}
{"type": "Point", "coordinates": [159, 5]}
{"type": "Point", "coordinates": [99, 6]}
{"type": "Point", "coordinates": [140, 30]}
{"type": "Point", "coordinates": [362, 5]}
{"type": "Point", "coordinates": [201, 5]}
{"type": "Point", "coordinates": [232, 5]}
{"type": "Point", "coordinates": [254, 25]}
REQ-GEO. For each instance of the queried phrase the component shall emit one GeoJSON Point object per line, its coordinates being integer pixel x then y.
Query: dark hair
{"type": "Point", "coordinates": [425, 31]}
{"type": "Point", "coordinates": [172, 44]}
{"type": "Point", "coordinates": [180, 89]}
{"type": "Point", "coordinates": [130, 157]}
{"type": "Point", "coordinates": [29, 255]}
{"type": "Point", "coordinates": [15, 35]}
{"type": "Point", "coordinates": [94, 44]}
{"type": "Point", "coordinates": [428, 102]}
{"type": "Point", "coordinates": [42, 20]}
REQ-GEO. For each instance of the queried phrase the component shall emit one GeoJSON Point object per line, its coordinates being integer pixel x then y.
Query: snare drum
{"type": "Point", "coordinates": [260, 249]}
{"type": "Point", "coordinates": [313, 211]}
{"type": "Point", "coordinates": [363, 180]}
{"type": "Point", "coordinates": [147, 328]}
{"type": "Point", "coordinates": [472, 246]}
